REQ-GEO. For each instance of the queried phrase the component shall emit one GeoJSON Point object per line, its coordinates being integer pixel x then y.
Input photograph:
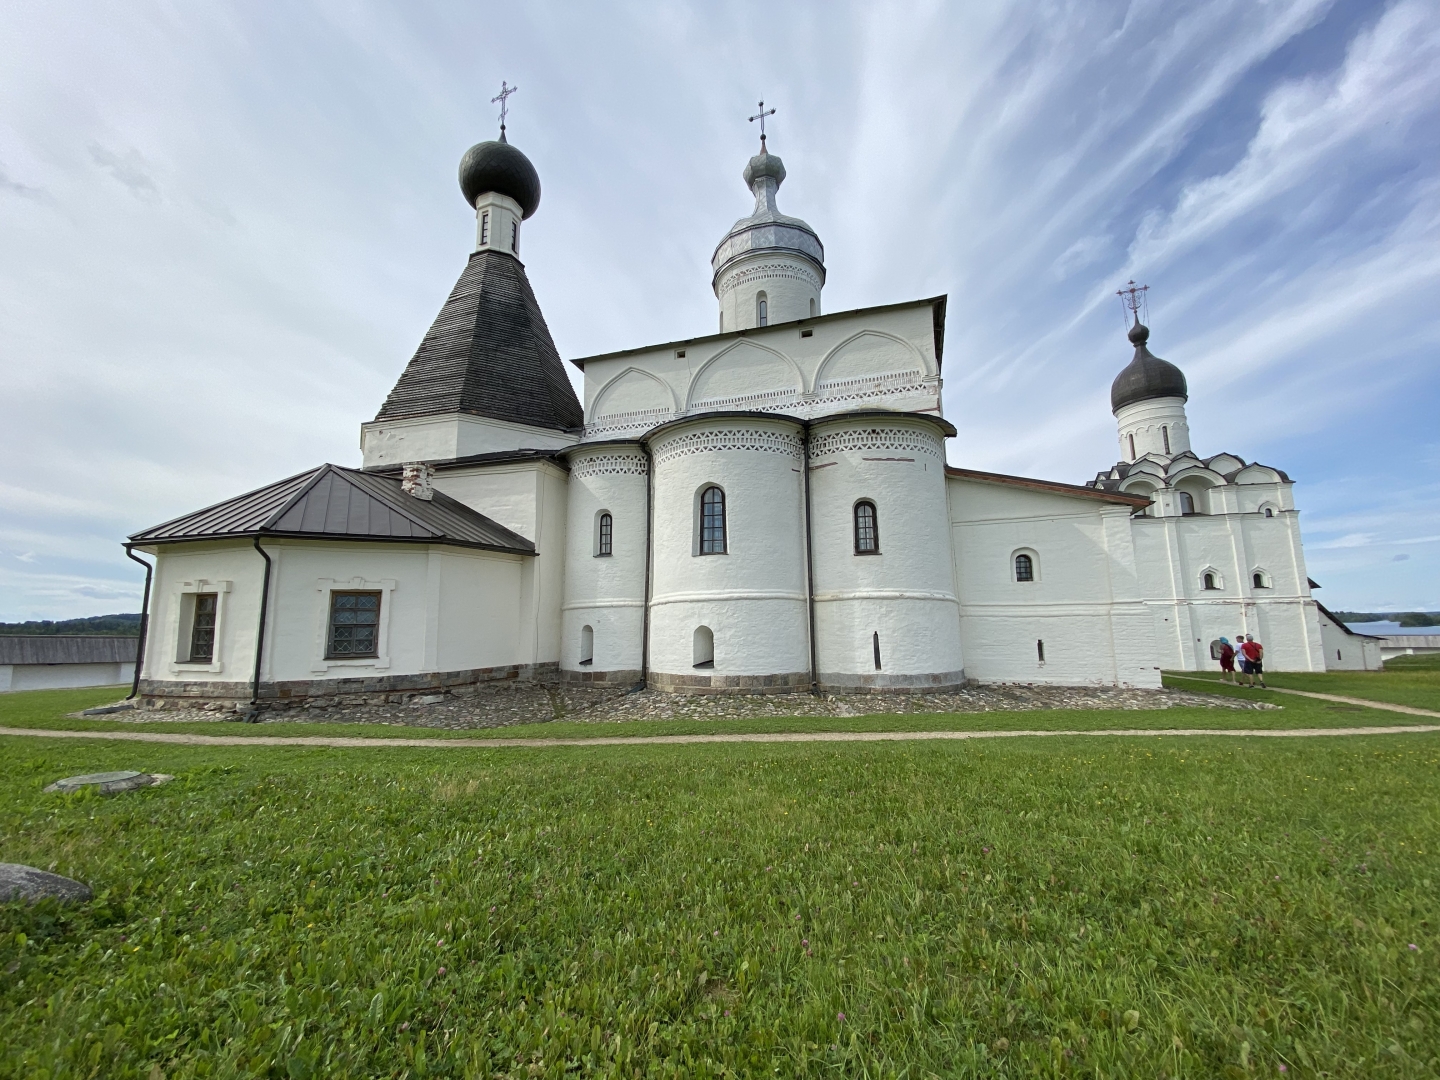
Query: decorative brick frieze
{"type": "Point", "coordinates": [875, 438]}
{"type": "Point", "coordinates": [755, 440]}
{"type": "Point", "coordinates": [612, 464]}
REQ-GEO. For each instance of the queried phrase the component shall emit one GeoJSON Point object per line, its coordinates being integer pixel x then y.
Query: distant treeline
{"type": "Point", "coordinates": [102, 625]}
{"type": "Point", "coordinates": [1404, 618]}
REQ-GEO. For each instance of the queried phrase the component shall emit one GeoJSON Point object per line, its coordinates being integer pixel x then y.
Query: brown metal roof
{"type": "Point", "coordinates": [64, 649]}
{"type": "Point", "coordinates": [335, 503]}
{"type": "Point", "coordinates": [1074, 490]}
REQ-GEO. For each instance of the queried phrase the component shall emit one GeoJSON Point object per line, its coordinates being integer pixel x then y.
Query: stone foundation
{"type": "Point", "coordinates": [586, 677]}
{"type": "Point", "coordinates": [940, 682]}
{"type": "Point", "coordinates": [370, 689]}
{"type": "Point", "coordinates": [789, 683]}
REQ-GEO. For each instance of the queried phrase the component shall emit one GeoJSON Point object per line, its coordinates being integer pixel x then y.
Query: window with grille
{"type": "Point", "coordinates": [354, 625]}
{"type": "Point", "coordinates": [712, 521]}
{"type": "Point", "coordinates": [867, 529]}
{"type": "Point", "coordinates": [202, 628]}
{"type": "Point", "coordinates": [607, 530]}
{"type": "Point", "coordinates": [484, 227]}
{"type": "Point", "coordinates": [1024, 568]}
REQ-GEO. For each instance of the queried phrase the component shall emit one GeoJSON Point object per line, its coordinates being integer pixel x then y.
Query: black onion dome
{"type": "Point", "coordinates": [497, 166]}
{"type": "Point", "coordinates": [1146, 376]}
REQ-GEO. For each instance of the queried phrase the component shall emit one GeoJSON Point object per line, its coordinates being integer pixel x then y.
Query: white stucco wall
{"type": "Point", "coordinates": [606, 593]}
{"type": "Point", "coordinates": [790, 284]}
{"type": "Point", "coordinates": [1157, 426]}
{"type": "Point", "coordinates": [530, 498]}
{"type": "Point", "coordinates": [442, 609]}
{"type": "Point", "coordinates": [450, 436]}
{"type": "Point", "coordinates": [906, 592]}
{"type": "Point", "coordinates": [752, 597]}
{"type": "Point", "coordinates": [1346, 651]}
{"type": "Point", "coordinates": [1176, 552]}
{"type": "Point", "coordinates": [1084, 604]}
{"type": "Point", "coordinates": [61, 676]}
{"type": "Point", "coordinates": [883, 358]}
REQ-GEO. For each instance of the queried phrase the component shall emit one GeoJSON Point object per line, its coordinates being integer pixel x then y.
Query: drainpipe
{"type": "Point", "coordinates": [252, 715]}
{"type": "Point", "coordinates": [810, 573]}
{"type": "Point", "coordinates": [144, 623]}
{"type": "Point", "coordinates": [649, 546]}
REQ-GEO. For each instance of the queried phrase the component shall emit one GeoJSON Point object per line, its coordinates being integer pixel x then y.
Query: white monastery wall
{"type": "Point", "coordinates": [1083, 604]}
{"type": "Point", "coordinates": [605, 592]}
{"type": "Point", "coordinates": [450, 436]}
{"type": "Point", "coordinates": [752, 597]}
{"type": "Point", "coordinates": [442, 609]}
{"type": "Point", "coordinates": [1346, 651]}
{"type": "Point", "coordinates": [883, 359]}
{"type": "Point", "coordinates": [905, 594]}
{"type": "Point", "coordinates": [531, 499]}
{"type": "Point", "coordinates": [62, 676]}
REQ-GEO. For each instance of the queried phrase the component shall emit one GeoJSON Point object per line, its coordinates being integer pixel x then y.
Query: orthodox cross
{"type": "Point", "coordinates": [505, 92]}
{"type": "Point", "coordinates": [764, 112]}
{"type": "Point", "coordinates": [1133, 297]}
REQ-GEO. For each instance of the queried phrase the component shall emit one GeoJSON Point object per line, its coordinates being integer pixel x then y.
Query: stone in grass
{"type": "Point", "coordinates": [26, 883]}
{"type": "Point", "coordinates": [110, 783]}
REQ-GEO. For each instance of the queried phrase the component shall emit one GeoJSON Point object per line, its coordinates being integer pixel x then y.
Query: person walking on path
{"type": "Point", "coordinates": [1254, 654]}
{"type": "Point", "coordinates": [1227, 660]}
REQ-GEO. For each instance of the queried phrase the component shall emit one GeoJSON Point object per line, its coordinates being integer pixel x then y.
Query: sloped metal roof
{"type": "Point", "coordinates": [488, 353]}
{"type": "Point", "coordinates": [64, 649]}
{"type": "Point", "coordinates": [335, 503]}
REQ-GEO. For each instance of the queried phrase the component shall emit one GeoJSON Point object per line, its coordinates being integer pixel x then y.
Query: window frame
{"type": "Point", "coordinates": [331, 625]}
{"type": "Point", "coordinates": [604, 534]}
{"type": "Point", "coordinates": [1033, 557]}
{"type": "Point", "coordinates": [514, 238]}
{"type": "Point", "coordinates": [484, 228]}
{"type": "Point", "coordinates": [704, 545]}
{"type": "Point", "coordinates": [195, 615]}
{"type": "Point", "coordinates": [874, 527]}
{"type": "Point", "coordinates": [762, 309]}
{"type": "Point", "coordinates": [183, 623]}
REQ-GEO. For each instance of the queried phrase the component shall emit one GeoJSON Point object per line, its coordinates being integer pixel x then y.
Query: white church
{"type": "Point", "coordinates": [763, 509]}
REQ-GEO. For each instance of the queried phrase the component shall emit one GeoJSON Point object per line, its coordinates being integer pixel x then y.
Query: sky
{"type": "Point", "coordinates": [224, 229]}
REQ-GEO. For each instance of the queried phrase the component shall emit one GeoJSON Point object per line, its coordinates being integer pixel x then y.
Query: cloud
{"type": "Point", "coordinates": [27, 556]}
{"type": "Point", "coordinates": [128, 168]}
{"type": "Point", "coordinates": [14, 187]}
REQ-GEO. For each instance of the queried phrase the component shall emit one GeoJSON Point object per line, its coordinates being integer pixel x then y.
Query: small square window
{"type": "Point", "coordinates": [354, 626]}
{"type": "Point", "coordinates": [679, 354]}
{"type": "Point", "coordinates": [807, 333]}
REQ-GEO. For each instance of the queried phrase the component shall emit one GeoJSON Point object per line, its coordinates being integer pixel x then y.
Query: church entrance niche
{"type": "Point", "coordinates": [704, 646]}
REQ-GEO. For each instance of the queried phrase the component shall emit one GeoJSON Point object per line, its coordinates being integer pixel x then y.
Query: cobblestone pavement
{"type": "Point", "coordinates": [509, 704]}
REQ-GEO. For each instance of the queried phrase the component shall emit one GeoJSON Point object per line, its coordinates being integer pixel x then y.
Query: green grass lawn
{"type": "Point", "coordinates": [1406, 680]}
{"type": "Point", "coordinates": [48, 709]}
{"type": "Point", "coordinates": [1130, 907]}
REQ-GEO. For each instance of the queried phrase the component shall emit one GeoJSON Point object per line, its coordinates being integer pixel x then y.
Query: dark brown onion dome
{"type": "Point", "coordinates": [497, 166]}
{"type": "Point", "coordinates": [1146, 376]}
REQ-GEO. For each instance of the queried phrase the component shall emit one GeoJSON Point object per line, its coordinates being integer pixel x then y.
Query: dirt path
{"type": "Point", "coordinates": [1369, 703]}
{"type": "Point", "coordinates": [680, 740]}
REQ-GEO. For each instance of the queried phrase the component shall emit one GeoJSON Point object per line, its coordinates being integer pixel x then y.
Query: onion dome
{"type": "Point", "coordinates": [497, 166]}
{"type": "Point", "coordinates": [767, 229]}
{"type": "Point", "coordinates": [1146, 376]}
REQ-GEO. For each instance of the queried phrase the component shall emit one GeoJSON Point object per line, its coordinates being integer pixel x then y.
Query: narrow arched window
{"type": "Point", "coordinates": [712, 521]}
{"type": "Point", "coordinates": [587, 645]}
{"type": "Point", "coordinates": [484, 227]}
{"type": "Point", "coordinates": [812, 307]}
{"type": "Point", "coordinates": [867, 529]}
{"type": "Point", "coordinates": [1131, 437]}
{"type": "Point", "coordinates": [1269, 512]}
{"type": "Point", "coordinates": [1040, 651]}
{"type": "Point", "coordinates": [515, 237]}
{"type": "Point", "coordinates": [1259, 580]}
{"type": "Point", "coordinates": [703, 644]}
{"type": "Point", "coordinates": [762, 310]}
{"type": "Point", "coordinates": [603, 542]}
{"type": "Point", "coordinates": [1024, 568]}
{"type": "Point", "coordinates": [1165, 434]}
{"type": "Point", "coordinates": [1209, 581]}
{"type": "Point", "coordinates": [1187, 503]}
{"type": "Point", "coordinates": [875, 644]}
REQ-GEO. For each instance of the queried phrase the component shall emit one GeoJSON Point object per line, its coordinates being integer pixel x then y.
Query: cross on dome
{"type": "Point", "coordinates": [761, 117]}
{"type": "Point", "coordinates": [505, 92]}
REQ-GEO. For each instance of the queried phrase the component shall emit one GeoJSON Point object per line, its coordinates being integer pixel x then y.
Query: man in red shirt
{"type": "Point", "coordinates": [1254, 655]}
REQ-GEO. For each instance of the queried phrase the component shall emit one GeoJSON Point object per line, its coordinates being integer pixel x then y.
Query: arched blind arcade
{"type": "Point", "coordinates": [712, 521]}
{"type": "Point", "coordinates": [867, 529]}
